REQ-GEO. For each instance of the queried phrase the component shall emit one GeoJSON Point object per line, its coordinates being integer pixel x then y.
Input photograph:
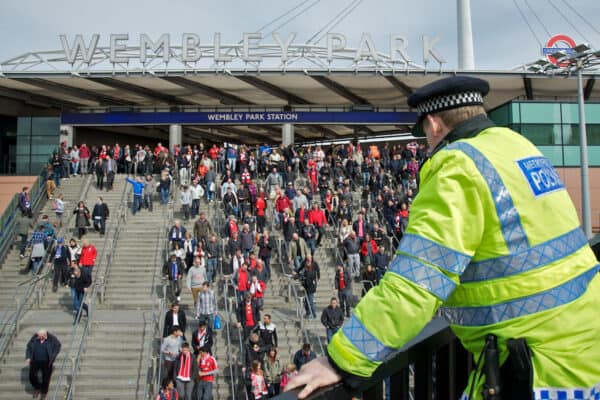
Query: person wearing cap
{"type": "Point", "coordinates": [494, 244]}
{"type": "Point", "coordinates": [62, 260]}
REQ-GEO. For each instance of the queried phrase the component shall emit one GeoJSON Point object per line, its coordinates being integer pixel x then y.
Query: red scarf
{"type": "Point", "coordinates": [249, 315]}
{"type": "Point", "coordinates": [185, 366]}
{"type": "Point", "coordinates": [342, 282]}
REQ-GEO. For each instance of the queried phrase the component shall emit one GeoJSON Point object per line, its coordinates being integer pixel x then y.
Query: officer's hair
{"type": "Point", "coordinates": [455, 116]}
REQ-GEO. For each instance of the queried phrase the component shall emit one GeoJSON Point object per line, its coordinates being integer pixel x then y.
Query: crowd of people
{"type": "Point", "coordinates": [302, 192]}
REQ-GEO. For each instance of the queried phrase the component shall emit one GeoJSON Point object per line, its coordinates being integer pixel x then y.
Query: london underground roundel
{"type": "Point", "coordinates": [558, 43]}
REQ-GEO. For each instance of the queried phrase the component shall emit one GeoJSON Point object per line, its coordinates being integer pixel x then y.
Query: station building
{"type": "Point", "coordinates": [42, 104]}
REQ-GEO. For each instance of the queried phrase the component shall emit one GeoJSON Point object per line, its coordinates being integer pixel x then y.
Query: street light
{"type": "Point", "coordinates": [579, 58]}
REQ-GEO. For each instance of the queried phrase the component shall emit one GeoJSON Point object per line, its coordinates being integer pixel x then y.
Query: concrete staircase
{"type": "Point", "coordinates": [221, 352]}
{"type": "Point", "coordinates": [113, 363]}
{"type": "Point", "coordinates": [117, 352]}
{"type": "Point", "coordinates": [12, 270]}
{"type": "Point", "coordinates": [62, 298]}
{"type": "Point", "coordinates": [13, 373]}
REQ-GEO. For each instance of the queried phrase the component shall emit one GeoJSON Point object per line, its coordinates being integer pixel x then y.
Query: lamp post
{"type": "Point", "coordinates": [578, 59]}
{"type": "Point", "coordinates": [586, 212]}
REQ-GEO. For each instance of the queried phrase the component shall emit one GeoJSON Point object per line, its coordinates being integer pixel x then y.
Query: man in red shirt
{"type": "Point", "coordinates": [207, 369]}
{"type": "Point", "coordinates": [84, 157]}
{"type": "Point", "coordinates": [159, 149]}
{"type": "Point", "coordinates": [316, 216]}
{"type": "Point", "coordinates": [368, 249]}
{"type": "Point", "coordinates": [282, 202]}
{"type": "Point", "coordinates": [301, 214]}
{"type": "Point", "coordinates": [343, 284]}
{"type": "Point", "coordinates": [248, 315]}
{"type": "Point", "coordinates": [87, 260]}
{"type": "Point", "coordinates": [241, 279]}
{"type": "Point", "coordinates": [213, 152]}
{"type": "Point", "coordinates": [261, 206]}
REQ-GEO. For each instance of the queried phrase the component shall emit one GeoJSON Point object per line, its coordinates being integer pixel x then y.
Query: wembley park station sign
{"type": "Point", "coordinates": [146, 53]}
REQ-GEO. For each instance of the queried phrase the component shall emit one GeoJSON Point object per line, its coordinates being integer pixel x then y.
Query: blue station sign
{"type": "Point", "coordinates": [239, 118]}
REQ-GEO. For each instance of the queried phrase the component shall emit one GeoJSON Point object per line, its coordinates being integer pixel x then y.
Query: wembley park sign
{"type": "Point", "coordinates": [191, 52]}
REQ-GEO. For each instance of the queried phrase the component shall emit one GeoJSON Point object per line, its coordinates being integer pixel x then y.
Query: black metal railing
{"type": "Point", "coordinates": [441, 367]}
{"type": "Point", "coordinates": [7, 219]}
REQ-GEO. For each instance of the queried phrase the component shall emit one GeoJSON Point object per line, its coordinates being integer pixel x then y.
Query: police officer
{"type": "Point", "coordinates": [495, 242]}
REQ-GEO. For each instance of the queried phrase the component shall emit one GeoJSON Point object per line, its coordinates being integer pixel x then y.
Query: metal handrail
{"type": "Point", "coordinates": [121, 218]}
{"type": "Point", "coordinates": [97, 291]}
{"type": "Point", "coordinates": [241, 354]}
{"type": "Point", "coordinates": [228, 323]}
{"type": "Point", "coordinates": [7, 219]}
{"type": "Point", "coordinates": [235, 379]}
{"type": "Point", "coordinates": [161, 256]}
{"type": "Point", "coordinates": [162, 311]}
{"type": "Point", "coordinates": [297, 297]}
{"type": "Point", "coordinates": [93, 295]}
{"type": "Point", "coordinates": [73, 337]}
{"type": "Point", "coordinates": [44, 283]}
{"type": "Point", "coordinates": [226, 305]}
{"type": "Point", "coordinates": [10, 325]}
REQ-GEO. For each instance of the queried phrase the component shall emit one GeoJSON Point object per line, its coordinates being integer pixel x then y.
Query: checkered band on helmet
{"type": "Point", "coordinates": [447, 102]}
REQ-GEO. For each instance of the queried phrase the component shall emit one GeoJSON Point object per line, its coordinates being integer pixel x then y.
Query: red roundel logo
{"type": "Point", "coordinates": [558, 43]}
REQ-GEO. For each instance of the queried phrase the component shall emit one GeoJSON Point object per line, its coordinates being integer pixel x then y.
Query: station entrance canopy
{"type": "Point", "coordinates": [244, 90]}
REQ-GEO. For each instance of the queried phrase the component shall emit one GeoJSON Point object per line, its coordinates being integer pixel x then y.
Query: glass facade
{"type": "Point", "coordinates": [8, 145]}
{"type": "Point", "coordinates": [554, 128]}
{"type": "Point", "coordinates": [37, 138]}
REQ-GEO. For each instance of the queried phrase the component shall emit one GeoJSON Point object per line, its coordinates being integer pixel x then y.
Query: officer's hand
{"type": "Point", "coordinates": [28, 361]}
{"type": "Point", "coordinates": [314, 375]}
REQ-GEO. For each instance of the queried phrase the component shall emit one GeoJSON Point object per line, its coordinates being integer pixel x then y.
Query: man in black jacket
{"type": "Point", "coordinates": [248, 315]}
{"type": "Point", "coordinates": [175, 317]}
{"type": "Point", "coordinates": [202, 338]}
{"type": "Point", "coordinates": [267, 332]}
{"type": "Point", "coordinates": [213, 255]}
{"type": "Point", "coordinates": [99, 215]}
{"type": "Point", "coordinates": [303, 356]}
{"type": "Point", "coordinates": [42, 350]}
{"type": "Point", "coordinates": [332, 318]}
{"type": "Point", "coordinates": [62, 260]}
{"type": "Point", "coordinates": [310, 274]}
{"type": "Point", "coordinates": [185, 371]}
{"type": "Point", "coordinates": [173, 271]}
{"type": "Point", "coordinates": [380, 261]}
{"type": "Point", "coordinates": [79, 284]}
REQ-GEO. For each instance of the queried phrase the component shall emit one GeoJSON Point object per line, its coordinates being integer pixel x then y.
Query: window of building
{"type": "Point", "coordinates": [541, 134]}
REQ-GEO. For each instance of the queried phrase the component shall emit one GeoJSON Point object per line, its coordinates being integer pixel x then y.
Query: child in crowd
{"type": "Point", "coordinates": [288, 373]}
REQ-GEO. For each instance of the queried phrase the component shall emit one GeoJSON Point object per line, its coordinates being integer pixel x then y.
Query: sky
{"type": "Point", "coordinates": [502, 39]}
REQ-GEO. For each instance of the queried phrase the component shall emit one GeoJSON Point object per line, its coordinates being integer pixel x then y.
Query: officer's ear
{"type": "Point", "coordinates": [434, 126]}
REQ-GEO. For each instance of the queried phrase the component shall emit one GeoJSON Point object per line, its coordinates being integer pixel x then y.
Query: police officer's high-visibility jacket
{"type": "Point", "coordinates": [495, 241]}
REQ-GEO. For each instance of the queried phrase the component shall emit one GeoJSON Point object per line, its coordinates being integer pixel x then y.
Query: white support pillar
{"type": "Point", "coordinates": [174, 136]}
{"type": "Point", "coordinates": [466, 59]}
{"type": "Point", "coordinates": [287, 134]}
{"type": "Point", "coordinates": [67, 133]}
